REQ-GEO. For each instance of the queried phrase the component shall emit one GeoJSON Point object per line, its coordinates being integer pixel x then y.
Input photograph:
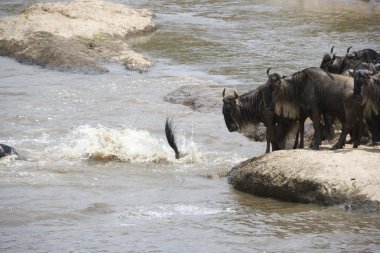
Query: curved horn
{"type": "Point", "coordinates": [348, 49]}
{"type": "Point", "coordinates": [224, 92]}
{"type": "Point", "coordinates": [332, 49]}
{"type": "Point", "coordinates": [268, 71]}
{"type": "Point", "coordinates": [235, 94]}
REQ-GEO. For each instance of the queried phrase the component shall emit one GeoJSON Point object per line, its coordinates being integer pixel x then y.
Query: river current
{"type": "Point", "coordinates": [98, 175]}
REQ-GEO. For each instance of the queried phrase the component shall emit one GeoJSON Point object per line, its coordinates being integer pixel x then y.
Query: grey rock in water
{"type": "Point", "coordinates": [348, 177]}
{"type": "Point", "coordinates": [197, 97]}
{"type": "Point", "coordinates": [79, 36]}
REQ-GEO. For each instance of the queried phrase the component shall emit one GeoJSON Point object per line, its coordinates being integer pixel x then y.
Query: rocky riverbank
{"type": "Point", "coordinates": [78, 36]}
{"type": "Point", "coordinates": [348, 177]}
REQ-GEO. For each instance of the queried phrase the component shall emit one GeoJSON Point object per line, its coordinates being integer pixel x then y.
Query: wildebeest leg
{"type": "Point", "coordinates": [374, 129]}
{"type": "Point", "coordinates": [317, 130]}
{"type": "Point", "coordinates": [296, 140]}
{"type": "Point", "coordinates": [350, 116]}
{"type": "Point", "coordinates": [302, 131]}
{"type": "Point", "coordinates": [358, 126]}
{"type": "Point", "coordinates": [268, 137]}
{"type": "Point", "coordinates": [342, 138]}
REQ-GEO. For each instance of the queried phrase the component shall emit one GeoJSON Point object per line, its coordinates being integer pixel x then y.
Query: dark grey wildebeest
{"type": "Point", "coordinates": [242, 112]}
{"type": "Point", "coordinates": [367, 93]}
{"type": "Point", "coordinates": [342, 64]}
{"type": "Point", "coordinates": [321, 93]}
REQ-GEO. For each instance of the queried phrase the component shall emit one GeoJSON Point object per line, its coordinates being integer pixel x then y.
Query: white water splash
{"type": "Point", "coordinates": [127, 145]}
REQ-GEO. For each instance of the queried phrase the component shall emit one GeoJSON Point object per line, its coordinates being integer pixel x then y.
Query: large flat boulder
{"type": "Point", "coordinates": [77, 36]}
{"type": "Point", "coordinates": [347, 176]}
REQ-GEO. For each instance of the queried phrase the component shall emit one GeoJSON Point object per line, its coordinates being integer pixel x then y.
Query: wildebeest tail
{"type": "Point", "coordinates": [328, 122]}
{"type": "Point", "coordinates": [170, 136]}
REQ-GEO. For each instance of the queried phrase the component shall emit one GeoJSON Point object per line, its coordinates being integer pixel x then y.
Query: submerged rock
{"type": "Point", "coordinates": [348, 176]}
{"type": "Point", "coordinates": [198, 98]}
{"type": "Point", "coordinates": [76, 36]}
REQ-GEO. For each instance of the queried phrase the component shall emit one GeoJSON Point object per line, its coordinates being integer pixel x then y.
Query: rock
{"type": "Point", "coordinates": [77, 36]}
{"type": "Point", "coordinates": [348, 176]}
{"type": "Point", "coordinates": [197, 97]}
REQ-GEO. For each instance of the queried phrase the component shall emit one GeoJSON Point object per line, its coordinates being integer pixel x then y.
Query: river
{"type": "Point", "coordinates": [98, 175]}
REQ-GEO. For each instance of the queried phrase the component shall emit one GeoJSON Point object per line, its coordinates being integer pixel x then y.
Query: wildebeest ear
{"type": "Point", "coordinates": [235, 94]}
{"type": "Point", "coordinates": [224, 92]}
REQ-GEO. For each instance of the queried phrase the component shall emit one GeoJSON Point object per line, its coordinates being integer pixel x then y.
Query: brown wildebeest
{"type": "Point", "coordinates": [321, 93]}
{"type": "Point", "coordinates": [241, 112]}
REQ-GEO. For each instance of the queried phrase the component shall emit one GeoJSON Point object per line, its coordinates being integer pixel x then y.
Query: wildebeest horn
{"type": "Point", "coordinates": [224, 92]}
{"type": "Point", "coordinates": [348, 49]}
{"type": "Point", "coordinates": [235, 94]}
{"type": "Point", "coordinates": [268, 71]}
{"type": "Point", "coordinates": [332, 49]}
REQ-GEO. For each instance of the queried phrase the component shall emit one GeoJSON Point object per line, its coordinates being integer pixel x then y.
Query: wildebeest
{"type": "Point", "coordinates": [6, 150]}
{"type": "Point", "coordinates": [331, 62]}
{"type": "Point", "coordinates": [321, 93]}
{"type": "Point", "coordinates": [364, 66]}
{"type": "Point", "coordinates": [241, 112]}
{"type": "Point", "coordinates": [342, 64]}
{"type": "Point", "coordinates": [367, 93]}
{"type": "Point", "coordinates": [365, 55]}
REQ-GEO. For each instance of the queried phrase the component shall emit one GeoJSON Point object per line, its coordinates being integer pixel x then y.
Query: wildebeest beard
{"type": "Point", "coordinates": [371, 95]}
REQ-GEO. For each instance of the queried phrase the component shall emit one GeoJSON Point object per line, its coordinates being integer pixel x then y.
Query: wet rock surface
{"type": "Point", "coordinates": [197, 97]}
{"type": "Point", "coordinates": [78, 36]}
{"type": "Point", "coordinates": [348, 177]}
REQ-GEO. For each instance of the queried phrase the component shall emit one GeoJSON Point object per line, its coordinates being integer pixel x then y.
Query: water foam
{"type": "Point", "coordinates": [127, 145]}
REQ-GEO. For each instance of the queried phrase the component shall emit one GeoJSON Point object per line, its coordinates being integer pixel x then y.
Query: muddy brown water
{"type": "Point", "coordinates": [98, 174]}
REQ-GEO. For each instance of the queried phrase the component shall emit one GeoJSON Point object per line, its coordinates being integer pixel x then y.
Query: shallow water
{"type": "Point", "coordinates": [98, 175]}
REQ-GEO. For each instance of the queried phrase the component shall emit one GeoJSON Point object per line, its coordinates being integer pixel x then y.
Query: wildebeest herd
{"type": "Point", "coordinates": [344, 88]}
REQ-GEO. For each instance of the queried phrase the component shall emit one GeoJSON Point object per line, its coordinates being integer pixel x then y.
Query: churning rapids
{"type": "Point", "coordinates": [98, 174]}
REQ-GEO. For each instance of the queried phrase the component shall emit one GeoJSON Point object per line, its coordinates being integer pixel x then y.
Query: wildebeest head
{"type": "Point", "coordinates": [348, 61]}
{"type": "Point", "coordinates": [361, 78]}
{"type": "Point", "coordinates": [328, 60]}
{"type": "Point", "coordinates": [231, 111]}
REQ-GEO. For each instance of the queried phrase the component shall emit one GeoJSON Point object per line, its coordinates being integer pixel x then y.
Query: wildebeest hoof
{"type": "Point", "coordinates": [314, 146]}
{"type": "Point", "coordinates": [336, 146]}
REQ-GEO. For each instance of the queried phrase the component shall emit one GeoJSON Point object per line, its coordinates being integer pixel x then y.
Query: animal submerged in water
{"type": "Point", "coordinates": [170, 136]}
{"type": "Point", "coordinates": [6, 150]}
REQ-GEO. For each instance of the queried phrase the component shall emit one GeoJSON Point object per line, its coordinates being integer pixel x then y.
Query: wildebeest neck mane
{"type": "Point", "coordinates": [252, 103]}
{"type": "Point", "coordinates": [290, 94]}
{"type": "Point", "coordinates": [371, 96]}
{"type": "Point", "coordinates": [375, 89]}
